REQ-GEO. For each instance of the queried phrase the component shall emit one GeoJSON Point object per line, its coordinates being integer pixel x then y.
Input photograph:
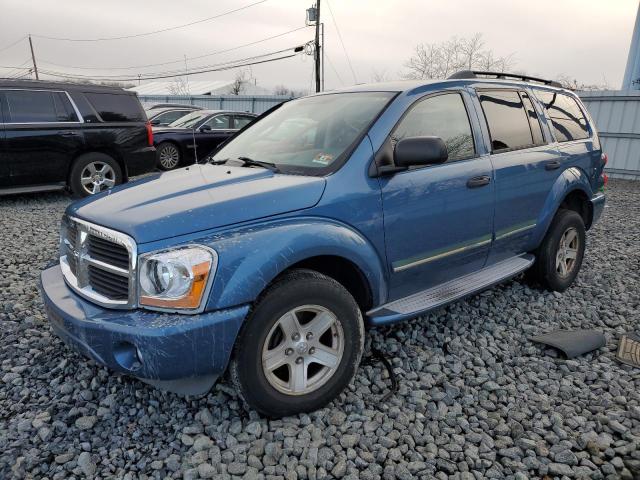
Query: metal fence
{"type": "Point", "coordinates": [241, 103]}
{"type": "Point", "coordinates": [617, 117]}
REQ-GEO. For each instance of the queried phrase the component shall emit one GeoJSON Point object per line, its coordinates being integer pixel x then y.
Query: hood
{"type": "Point", "coordinates": [196, 198]}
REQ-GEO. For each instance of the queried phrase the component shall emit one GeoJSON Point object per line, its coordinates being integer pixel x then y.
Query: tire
{"type": "Point", "coordinates": [94, 173]}
{"type": "Point", "coordinates": [168, 156]}
{"type": "Point", "coordinates": [316, 301]}
{"type": "Point", "coordinates": [567, 227]}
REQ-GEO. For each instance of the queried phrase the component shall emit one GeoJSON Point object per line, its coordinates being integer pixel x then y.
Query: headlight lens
{"type": "Point", "coordinates": [175, 279]}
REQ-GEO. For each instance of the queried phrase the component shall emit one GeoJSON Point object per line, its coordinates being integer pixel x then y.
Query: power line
{"type": "Point", "coordinates": [132, 67]}
{"type": "Point", "coordinates": [210, 68]}
{"type": "Point", "coordinates": [12, 44]}
{"type": "Point", "coordinates": [346, 54]}
{"type": "Point", "coordinates": [102, 39]}
{"type": "Point", "coordinates": [334, 69]}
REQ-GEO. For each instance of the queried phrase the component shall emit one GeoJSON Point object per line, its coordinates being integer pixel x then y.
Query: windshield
{"type": "Point", "coordinates": [309, 135]}
{"type": "Point", "coordinates": [190, 121]}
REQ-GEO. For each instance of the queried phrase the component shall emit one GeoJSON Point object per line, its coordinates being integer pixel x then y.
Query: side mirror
{"type": "Point", "coordinates": [205, 128]}
{"type": "Point", "coordinates": [414, 151]}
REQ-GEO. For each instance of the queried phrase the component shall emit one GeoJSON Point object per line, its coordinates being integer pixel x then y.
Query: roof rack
{"type": "Point", "coordinates": [503, 76]}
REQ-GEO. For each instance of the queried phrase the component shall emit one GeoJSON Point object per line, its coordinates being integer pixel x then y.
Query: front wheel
{"type": "Point", "coordinates": [559, 257]}
{"type": "Point", "coordinates": [300, 347]}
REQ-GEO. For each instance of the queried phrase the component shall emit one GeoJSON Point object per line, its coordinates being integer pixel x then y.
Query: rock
{"type": "Point", "coordinates": [86, 464]}
{"type": "Point", "coordinates": [86, 423]}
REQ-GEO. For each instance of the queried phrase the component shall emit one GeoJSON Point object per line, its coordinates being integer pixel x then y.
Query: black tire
{"type": "Point", "coordinates": [168, 156]}
{"type": "Point", "coordinates": [295, 289]}
{"type": "Point", "coordinates": [114, 175]}
{"type": "Point", "coordinates": [545, 270]}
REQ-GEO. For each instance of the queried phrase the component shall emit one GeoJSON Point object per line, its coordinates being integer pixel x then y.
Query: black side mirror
{"type": "Point", "coordinates": [205, 128]}
{"type": "Point", "coordinates": [414, 151]}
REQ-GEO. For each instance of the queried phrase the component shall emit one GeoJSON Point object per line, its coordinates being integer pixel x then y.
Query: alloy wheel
{"type": "Point", "coordinates": [169, 157]}
{"type": "Point", "coordinates": [97, 176]}
{"type": "Point", "coordinates": [303, 350]}
{"type": "Point", "coordinates": [567, 252]}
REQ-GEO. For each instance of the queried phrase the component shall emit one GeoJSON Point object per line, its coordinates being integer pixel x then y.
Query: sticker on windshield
{"type": "Point", "coordinates": [323, 158]}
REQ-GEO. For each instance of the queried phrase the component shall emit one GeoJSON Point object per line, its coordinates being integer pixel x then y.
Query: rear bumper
{"type": "Point", "coordinates": [140, 161]}
{"type": "Point", "coordinates": [597, 205]}
{"type": "Point", "coordinates": [180, 353]}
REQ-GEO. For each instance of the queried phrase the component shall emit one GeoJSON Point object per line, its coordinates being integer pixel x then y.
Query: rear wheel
{"type": "Point", "coordinates": [168, 156]}
{"type": "Point", "coordinates": [300, 347]}
{"type": "Point", "coordinates": [93, 173]}
{"type": "Point", "coordinates": [559, 257]}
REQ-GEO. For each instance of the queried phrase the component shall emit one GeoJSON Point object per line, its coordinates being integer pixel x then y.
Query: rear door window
{"type": "Point", "coordinates": [38, 106]}
{"type": "Point", "coordinates": [113, 107]}
{"type": "Point", "coordinates": [443, 116]}
{"type": "Point", "coordinates": [241, 121]}
{"type": "Point", "coordinates": [567, 119]}
{"type": "Point", "coordinates": [507, 120]}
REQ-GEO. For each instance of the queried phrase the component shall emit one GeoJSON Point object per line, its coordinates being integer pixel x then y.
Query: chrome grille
{"type": "Point", "coordinates": [99, 263]}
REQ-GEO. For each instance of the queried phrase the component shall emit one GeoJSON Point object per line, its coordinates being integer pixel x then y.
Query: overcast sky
{"type": "Point", "coordinates": [583, 39]}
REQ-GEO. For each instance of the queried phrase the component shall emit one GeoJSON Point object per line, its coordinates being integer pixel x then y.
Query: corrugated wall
{"type": "Point", "coordinates": [241, 103]}
{"type": "Point", "coordinates": [617, 117]}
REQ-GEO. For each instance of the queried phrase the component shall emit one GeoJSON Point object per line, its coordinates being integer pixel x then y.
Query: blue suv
{"type": "Point", "coordinates": [357, 207]}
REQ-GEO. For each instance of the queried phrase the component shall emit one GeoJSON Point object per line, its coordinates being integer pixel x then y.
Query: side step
{"type": "Point", "coordinates": [447, 292]}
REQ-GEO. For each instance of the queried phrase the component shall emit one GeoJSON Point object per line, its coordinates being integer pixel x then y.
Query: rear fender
{"type": "Point", "coordinates": [252, 257]}
{"type": "Point", "coordinates": [570, 180]}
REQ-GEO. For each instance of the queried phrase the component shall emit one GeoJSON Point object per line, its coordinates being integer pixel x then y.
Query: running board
{"type": "Point", "coordinates": [447, 292]}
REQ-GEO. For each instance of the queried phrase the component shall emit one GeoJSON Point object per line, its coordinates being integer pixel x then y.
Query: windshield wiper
{"type": "Point", "coordinates": [246, 161]}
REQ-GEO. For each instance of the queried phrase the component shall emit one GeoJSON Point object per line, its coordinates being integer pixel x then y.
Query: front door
{"type": "Point", "coordinates": [438, 219]}
{"type": "Point", "coordinates": [42, 136]}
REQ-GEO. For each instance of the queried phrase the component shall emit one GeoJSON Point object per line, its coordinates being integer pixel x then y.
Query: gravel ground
{"type": "Point", "coordinates": [476, 399]}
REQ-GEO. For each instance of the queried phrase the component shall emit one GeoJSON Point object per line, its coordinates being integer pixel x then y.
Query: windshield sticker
{"type": "Point", "coordinates": [323, 158]}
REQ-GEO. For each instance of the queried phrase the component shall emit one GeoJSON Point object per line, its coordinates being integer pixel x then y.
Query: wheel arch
{"type": "Point", "coordinates": [251, 260]}
{"type": "Point", "coordinates": [114, 154]}
{"type": "Point", "coordinates": [571, 190]}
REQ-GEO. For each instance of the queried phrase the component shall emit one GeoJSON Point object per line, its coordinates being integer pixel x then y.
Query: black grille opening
{"type": "Point", "coordinates": [109, 284]}
{"type": "Point", "coordinates": [108, 252]}
{"type": "Point", "coordinates": [72, 234]}
{"type": "Point", "coordinates": [73, 264]}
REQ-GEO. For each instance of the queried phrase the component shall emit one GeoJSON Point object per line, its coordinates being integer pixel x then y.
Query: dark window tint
{"type": "Point", "coordinates": [219, 122]}
{"type": "Point", "coordinates": [534, 123]}
{"type": "Point", "coordinates": [441, 116]}
{"type": "Point", "coordinates": [507, 120]}
{"type": "Point", "coordinates": [116, 108]}
{"type": "Point", "coordinates": [566, 116]}
{"type": "Point", "coordinates": [31, 106]}
{"type": "Point", "coordinates": [241, 121]}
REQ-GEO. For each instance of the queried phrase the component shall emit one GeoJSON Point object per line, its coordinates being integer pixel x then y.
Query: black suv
{"type": "Point", "coordinates": [57, 135]}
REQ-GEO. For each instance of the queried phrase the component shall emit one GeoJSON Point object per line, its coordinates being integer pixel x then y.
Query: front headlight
{"type": "Point", "coordinates": [177, 278]}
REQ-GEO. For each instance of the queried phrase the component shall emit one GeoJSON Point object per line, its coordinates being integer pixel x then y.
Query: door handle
{"type": "Point", "coordinates": [552, 165]}
{"type": "Point", "coordinates": [480, 181]}
{"type": "Point", "coordinates": [68, 134]}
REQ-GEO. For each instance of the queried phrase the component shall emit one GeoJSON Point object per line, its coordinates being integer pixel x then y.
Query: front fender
{"type": "Point", "coordinates": [569, 180]}
{"type": "Point", "coordinates": [251, 257]}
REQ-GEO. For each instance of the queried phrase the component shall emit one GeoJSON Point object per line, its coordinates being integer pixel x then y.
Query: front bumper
{"type": "Point", "coordinates": [180, 353]}
{"type": "Point", "coordinates": [140, 161]}
{"type": "Point", "coordinates": [597, 205]}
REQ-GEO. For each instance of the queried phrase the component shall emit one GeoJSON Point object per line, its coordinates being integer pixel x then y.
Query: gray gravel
{"type": "Point", "coordinates": [476, 399]}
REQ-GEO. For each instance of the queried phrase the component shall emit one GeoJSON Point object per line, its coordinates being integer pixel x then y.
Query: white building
{"type": "Point", "coordinates": [196, 87]}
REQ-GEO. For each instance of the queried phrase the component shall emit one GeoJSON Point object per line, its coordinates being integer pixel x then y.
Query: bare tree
{"type": "Point", "coordinates": [573, 84]}
{"type": "Point", "coordinates": [179, 86]}
{"type": "Point", "coordinates": [283, 90]}
{"type": "Point", "coordinates": [240, 81]}
{"type": "Point", "coordinates": [379, 75]}
{"type": "Point", "coordinates": [439, 60]}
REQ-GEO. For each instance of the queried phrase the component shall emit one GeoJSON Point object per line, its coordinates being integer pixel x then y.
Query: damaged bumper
{"type": "Point", "coordinates": [181, 353]}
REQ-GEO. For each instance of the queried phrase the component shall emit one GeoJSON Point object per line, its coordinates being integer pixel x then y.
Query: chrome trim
{"type": "Point", "coordinates": [441, 255]}
{"type": "Point", "coordinates": [80, 283]}
{"type": "Point", "coordinates": [515, 231]}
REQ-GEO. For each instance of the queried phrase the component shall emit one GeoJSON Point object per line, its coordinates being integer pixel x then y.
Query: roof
{"type": "Point", "coordinates": [48, 84]}
{"type": "Point", "coordinates": [194, 87]}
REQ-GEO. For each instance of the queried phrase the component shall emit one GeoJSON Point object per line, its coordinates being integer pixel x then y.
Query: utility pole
{"type": "Point", "coordinates": [33, 58]}
{"type": "Point", "coordinates": [318, 84]}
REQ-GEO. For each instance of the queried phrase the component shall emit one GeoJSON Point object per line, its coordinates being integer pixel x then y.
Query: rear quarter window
{"type": "Point", "coordinates": [113, 107]}
{"type": "Point", "coordinates": [567, 118]}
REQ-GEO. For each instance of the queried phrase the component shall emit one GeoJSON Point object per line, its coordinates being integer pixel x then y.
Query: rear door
{"type": "Point", "coordinates": [525, 166]}
{"type": "Point", "coordinates": [42, 136]}
{"type": "Point", "coordinates": [221, 128]}
{"type": "Point", "coordinates": [437, 219]}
